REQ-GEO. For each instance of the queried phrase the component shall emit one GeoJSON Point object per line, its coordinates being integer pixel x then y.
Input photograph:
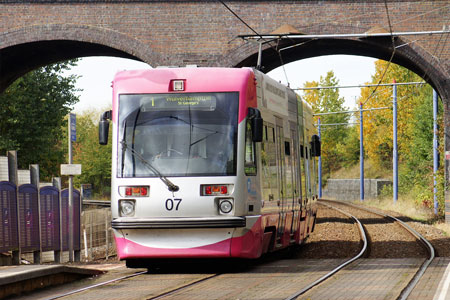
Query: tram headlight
{"type": "Point", "coordinates": [225, 206]}
{"type": "Point", "coordinates": [126, 208]}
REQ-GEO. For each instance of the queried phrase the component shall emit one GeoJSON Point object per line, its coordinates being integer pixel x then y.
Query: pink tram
{"type": "Point", "coordinates": [209, 163]}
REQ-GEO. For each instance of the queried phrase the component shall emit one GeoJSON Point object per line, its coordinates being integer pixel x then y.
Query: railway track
{"type": "Point", "coordinates": [419, 239]}
{"type": "Point", "coordinates": [364, 240]}
{"type": "Point", "coordinates": [260, 275]}
{"type": "Point", "coordinates": [76, 291]}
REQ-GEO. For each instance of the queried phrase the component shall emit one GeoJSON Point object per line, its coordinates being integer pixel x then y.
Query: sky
{"type": "Point", "coordinates": [97, 73]}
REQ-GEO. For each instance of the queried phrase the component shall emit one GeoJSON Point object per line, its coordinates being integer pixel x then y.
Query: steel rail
{"type": "Point", "coordinates": [183, 287]}
{"type": "Point", "coordinates": [430, 249]}
{"type": "Point", "coordinates": [96, 285]}
{"type": "Point", "coordinates": [160, 296]}
{"type": "Point", "coordinates": [338, 268]}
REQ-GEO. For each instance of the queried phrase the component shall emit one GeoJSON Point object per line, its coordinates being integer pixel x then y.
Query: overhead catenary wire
{"type": "Point", "coordinates": [443, 46]}
{"type": "Point", "coordinates": [390, 59]}
{"type": "Point", "coordinates": [391, 34]}
{"type": "Point", "coordinates": [239, 18]}
{"type": "Point", "coordinates": [350, 111]}
{"type": "Point", "coordinates": [422, 14]}
{"type": "Point", "coordinates": [359, 110]}
{"type": "Point", "coordinates": [341, 35]}
{"type": "Point", "coordinates": [334, 124]}
{"type": "Point", "coordinates": [360, 85]}
{"type": "Point", "coordinates": [255, 32]}
{"type": "Point", "coordinates": [368, 15]}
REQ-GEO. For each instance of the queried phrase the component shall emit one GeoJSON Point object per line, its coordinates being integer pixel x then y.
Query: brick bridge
{"type": "Point", "coordinates": [35, 33]}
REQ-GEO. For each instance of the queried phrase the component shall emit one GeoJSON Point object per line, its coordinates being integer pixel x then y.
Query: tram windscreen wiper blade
{"type": "Point", "coordinates": [172, 187]}
{"type": "Point", "coordinates": [204, 138]}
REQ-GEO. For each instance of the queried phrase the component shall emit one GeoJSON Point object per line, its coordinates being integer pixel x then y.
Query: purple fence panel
{"type": "Point", "coordinates": [76, 219]}
{"type": "Point", "coordinates": [49, 218]}
{"type": "Point", "coordinates": [8, 217]}
{"type": "Point", "coordinates": [28, 218]}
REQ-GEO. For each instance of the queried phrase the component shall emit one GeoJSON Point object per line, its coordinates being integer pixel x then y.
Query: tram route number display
{"type": "Point", "coordinates": [172, 204]}
{"type": "Point", "coordinates": [178, 102]}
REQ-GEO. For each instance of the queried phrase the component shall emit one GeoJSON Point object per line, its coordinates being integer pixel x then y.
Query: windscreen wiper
{"type": "Point", "coordinates": [172, 187]}
{"type": "Point", "coordinates": [204, 138]}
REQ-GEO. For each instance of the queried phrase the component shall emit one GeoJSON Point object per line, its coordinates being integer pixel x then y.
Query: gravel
{"type": "Point", "coordinates": [336, 236]}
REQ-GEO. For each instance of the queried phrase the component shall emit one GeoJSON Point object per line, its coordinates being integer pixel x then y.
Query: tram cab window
{"type": "Point", "coordinates": [250, 156]}
{"type": "Point", "coordinates": [192, 134]}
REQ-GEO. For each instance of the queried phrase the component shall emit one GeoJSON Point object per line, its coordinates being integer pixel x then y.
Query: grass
{"type": "Point", "coordinates": [408, 208]}
{"type": "Point", "coordinates": [444, 227]}
{"type": "Point", "coordinates": [405, 205]}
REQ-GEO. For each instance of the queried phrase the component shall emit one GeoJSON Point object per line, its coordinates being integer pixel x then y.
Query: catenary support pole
{"type": "Point", "coordinates": [394, 142]}
{"type": "Point", "coordinates": [320, 162]}
{"type": "Point", "coordinates": [435, 150]}
{"type": "Point", "coordinates": [361, 153]}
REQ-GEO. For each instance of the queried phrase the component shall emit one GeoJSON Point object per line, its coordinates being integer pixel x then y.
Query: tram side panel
{"type": "Point", "coordinates": [248, 242]}
{"type": "Point", "coordinates": [283, 185]}
{"type": "Point", "coordinates": [311, 178]}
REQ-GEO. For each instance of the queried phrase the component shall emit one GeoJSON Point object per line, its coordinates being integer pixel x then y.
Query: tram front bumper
{"type": "Point", "coordinates": [188, 237]}
{"type": "Point", "coordinates": [166, 223]}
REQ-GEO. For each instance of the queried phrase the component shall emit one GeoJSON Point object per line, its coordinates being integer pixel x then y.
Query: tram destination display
{"type": "Point", "coordinates": [204, 102]}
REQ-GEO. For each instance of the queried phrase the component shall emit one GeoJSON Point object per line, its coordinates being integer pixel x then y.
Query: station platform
{"type": "Point", "coordinates": [15, 280]}
{"type": "Point", "coordinates": [435, 283]}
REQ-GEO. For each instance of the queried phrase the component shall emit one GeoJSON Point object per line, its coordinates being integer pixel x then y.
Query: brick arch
{"type": "Point", "coordinates": [411, 56]}
{"type": "Point", "coordinates": [28, 48]}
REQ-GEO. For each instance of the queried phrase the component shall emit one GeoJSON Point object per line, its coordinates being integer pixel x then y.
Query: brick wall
{"type": "Point", "coordinates": [349, 189]}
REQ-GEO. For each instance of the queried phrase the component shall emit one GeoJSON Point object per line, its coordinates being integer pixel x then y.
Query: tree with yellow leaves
{"type": "Point", "coordinates": [414, 130]}
{"type": "Point", "coordinates": [378, 130]}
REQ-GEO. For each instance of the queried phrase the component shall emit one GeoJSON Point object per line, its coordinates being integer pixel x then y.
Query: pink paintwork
{"type": "Point", "coordinates": [247, 246]}
{"type": "Point", "coordinates": [156, 81]}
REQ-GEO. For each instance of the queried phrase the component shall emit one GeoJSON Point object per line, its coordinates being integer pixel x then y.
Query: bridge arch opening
{"type": "Point", "coordinates": [18, 60]}
{"type": "Point", "coordinates": [407, 55]}
{"type": "Point", "coordinates": [431, 73]}
{"type": "Point", "coordinates": [32, 47]}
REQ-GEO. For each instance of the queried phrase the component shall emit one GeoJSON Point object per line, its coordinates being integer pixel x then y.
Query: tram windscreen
{"type": "Point", "coordinates": [191, 134]}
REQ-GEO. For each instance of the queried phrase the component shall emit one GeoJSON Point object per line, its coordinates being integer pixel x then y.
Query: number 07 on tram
{"type": "Point", "coordinates": [209, 163]}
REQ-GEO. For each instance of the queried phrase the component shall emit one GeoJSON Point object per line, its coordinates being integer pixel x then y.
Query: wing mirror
{"type": "Point", "coordinates": [103, 127]}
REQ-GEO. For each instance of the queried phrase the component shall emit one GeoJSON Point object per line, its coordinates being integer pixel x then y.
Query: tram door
{"type": "Point", "coordinates": [295, 177]}
{"type": "Point", "coordinates": [281, 176]}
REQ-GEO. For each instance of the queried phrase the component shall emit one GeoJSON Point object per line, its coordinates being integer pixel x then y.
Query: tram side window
{"type": "Point", "coordinates": [288, 170]}
{"type": "Point", "coordinates": [250, 157]}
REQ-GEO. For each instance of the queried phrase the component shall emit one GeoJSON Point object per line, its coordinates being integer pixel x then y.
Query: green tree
{"type": "Point", "coordinates": [94, 158]}
{"type": "Point", "coordinates": [32, 112]}
{"type": "Point", "coordinates": [333, 137]}
{"type": "Point", "coordinates": [414, 131]}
